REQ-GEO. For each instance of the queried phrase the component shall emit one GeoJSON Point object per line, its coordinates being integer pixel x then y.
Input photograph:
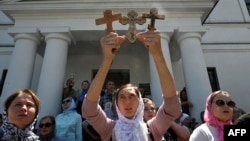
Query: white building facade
{"type": "Point", "coordinates": [204, 42]}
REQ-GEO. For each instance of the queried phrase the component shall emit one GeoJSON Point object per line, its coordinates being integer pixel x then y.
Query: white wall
{"type": "Point", "coordinates": [178, 75]}
{"type": "Point", "coordinates": [36, 72]}
{"type": "Point", "coordinates": [233, 67]}
{"type": "Point", "coordinates": [87, 56]}
{"type": "Point", "coordinates": [231, 11]}
{"type": "Point", "coordinates": [5, 38]}
{"type": "Point", "coordinates": [5, 55]}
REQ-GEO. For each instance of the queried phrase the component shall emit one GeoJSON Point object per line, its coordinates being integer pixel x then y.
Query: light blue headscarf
{"type": "Point", "coordinates": [71, 107]}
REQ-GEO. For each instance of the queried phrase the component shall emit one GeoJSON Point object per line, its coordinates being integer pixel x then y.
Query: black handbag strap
{"type": "Point", "coordinates": [150, 133]}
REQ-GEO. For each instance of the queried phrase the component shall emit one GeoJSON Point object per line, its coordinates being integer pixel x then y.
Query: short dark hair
{"type": "Point", "coordinates": [148, 100]}
{"type": "Point", "coordinates": [52, 118]}
{"type": "Point", "coordinates": [243, 120]}
{"type": "Point", "coordinates": [85, 81]}
{"type": "Point", "coordinates": [183, 90]}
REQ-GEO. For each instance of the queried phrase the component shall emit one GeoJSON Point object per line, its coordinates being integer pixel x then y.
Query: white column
{"type": "Point", "coordinates": [22, 61]}
{"type": "Point", "coordinates": [195, 71]}
{"type": "Point", "coordinates": [52, 74]}
{"type": "Point", "coordinates": [155, 86]}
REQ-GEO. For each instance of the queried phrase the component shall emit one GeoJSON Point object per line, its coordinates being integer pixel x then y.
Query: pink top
{"type": "Point", "coordinates": [168, 111]}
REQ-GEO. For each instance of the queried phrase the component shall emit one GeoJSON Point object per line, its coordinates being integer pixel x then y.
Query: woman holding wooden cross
{"type": "Point", "coordinates": [129, 104]}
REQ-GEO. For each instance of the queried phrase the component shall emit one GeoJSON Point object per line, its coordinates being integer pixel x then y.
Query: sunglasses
{"type": "Point", "coordinates": [66, 101]}
{"type": "Point", "coordinates": [45, 125]}
{"type": "Point", "coordinates": [221, 103]}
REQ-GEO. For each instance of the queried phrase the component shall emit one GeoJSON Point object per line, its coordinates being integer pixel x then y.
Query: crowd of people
{"type": "Point", "coordinates": [122, 114]}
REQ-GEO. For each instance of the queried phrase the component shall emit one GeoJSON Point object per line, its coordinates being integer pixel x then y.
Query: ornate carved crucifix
{"type": "Point", "coordinates": [108, 19]}
{"type": "Point", "coordinates": [132, 19]}
{"type": "Point", "coordinates": [153, 15]}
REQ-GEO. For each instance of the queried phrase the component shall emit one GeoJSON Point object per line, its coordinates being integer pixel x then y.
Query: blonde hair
{"type": "Point", "coordinates": [25, 91]}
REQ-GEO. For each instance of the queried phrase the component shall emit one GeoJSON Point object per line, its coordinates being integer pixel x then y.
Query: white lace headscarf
{"type": "Point", "coordinates": [134, 129]}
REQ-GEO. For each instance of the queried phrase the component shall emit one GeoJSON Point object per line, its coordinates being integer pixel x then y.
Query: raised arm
{"type": "Point", "coordinates": [180, 131]}
{"type": "Point", "coordinates": [152, 41]}
{"type": "Point", "coordinates": [110, 45]}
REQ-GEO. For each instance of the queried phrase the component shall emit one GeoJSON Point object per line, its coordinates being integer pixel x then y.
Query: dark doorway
{"type": "Point", "coordinates": [119, 76]}
{"type": "Point", "coordinates": [212, 74]}
{"type": "Point", "coordinates": [4, 73]}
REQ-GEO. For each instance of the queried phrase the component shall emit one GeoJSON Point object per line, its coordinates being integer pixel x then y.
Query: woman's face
{"type": "Point", "coordinates": [46, 126]}
{"type": "Point", "coordinates": [66, 103]}
{"type": "Point", "coordinates": [222, 112]}
{"type": "Point", "coordinates": [186, 121]}
{"type": "Point", "coordinates": [128, 102]}
{"type": "Point", "coordinates": [149, 111]}
{"type": "Point", "coordinates": [183, 95]}
{"type": "Point", "coordinates": [22, 111]}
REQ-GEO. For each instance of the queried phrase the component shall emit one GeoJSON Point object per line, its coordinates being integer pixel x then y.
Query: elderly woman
{"type": "Point", "coordinates": [19, 116]}
{"type": "Point", "coordinates": [128, 101]}
{"type": "Point", "coordinates": [218, 112]}
{"type": "Point", "coordinates": [47, 129]}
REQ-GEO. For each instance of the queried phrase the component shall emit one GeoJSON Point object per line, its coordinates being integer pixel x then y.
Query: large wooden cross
{"type": "Point", "coordinates": [108, 19]}
{"type": "Point", "coordinates": [132, 19]}
{"type": "Point", "coordinates": [153, 15]}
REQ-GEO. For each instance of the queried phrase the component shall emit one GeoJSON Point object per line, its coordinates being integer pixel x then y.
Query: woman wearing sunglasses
{"type": "Point", "coordinates": [218, 112]}
{"type": "Point", "coordinates": [69, 122]}
{"type": "Point", "coordinates": [47, 129]}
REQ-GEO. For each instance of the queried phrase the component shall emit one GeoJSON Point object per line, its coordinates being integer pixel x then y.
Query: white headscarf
{"type": "Point", "coordinates": [183, 117]}
{"type": "Point", "coordinates": [134, 129]}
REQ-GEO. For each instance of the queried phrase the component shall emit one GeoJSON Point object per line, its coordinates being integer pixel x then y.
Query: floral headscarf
{"type": "Point", "coordinates": [11, 132]}
{"type": "Point", "coordinates": [212, 120]}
